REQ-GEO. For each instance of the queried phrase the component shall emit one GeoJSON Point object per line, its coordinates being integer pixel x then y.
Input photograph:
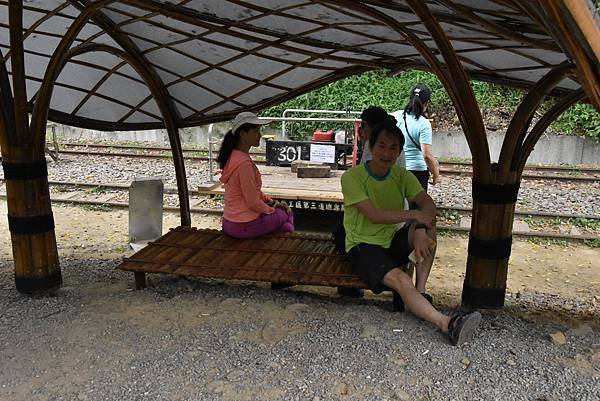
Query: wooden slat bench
{"type": "Point", "coordinates": [283, 258]}
{"type": "Point", "coordinates": [299, 259]}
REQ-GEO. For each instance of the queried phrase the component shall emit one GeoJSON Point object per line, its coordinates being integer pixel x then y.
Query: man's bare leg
{"type": "Point", "coordinates": [401, 282]}
{"type": "Point", "coordinates": [423, 269]}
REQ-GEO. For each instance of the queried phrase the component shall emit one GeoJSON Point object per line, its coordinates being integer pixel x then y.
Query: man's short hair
{"type": "Point", "coordinates": [374, 115]}
{"type": "Point", "coordinates": [391, 128]}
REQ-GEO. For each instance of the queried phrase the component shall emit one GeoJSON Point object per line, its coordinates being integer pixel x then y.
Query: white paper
{"type": "Point", "coordinates": [322, 153]}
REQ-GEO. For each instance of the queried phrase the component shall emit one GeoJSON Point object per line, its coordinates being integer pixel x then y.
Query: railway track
{"type": "Point", "coordinates": [108, 201]}
{"type": "Point", "coordinates": [559, 173]}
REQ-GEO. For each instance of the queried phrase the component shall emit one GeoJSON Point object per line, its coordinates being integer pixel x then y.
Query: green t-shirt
{"type": "Point", "coordinates": [387, 192]}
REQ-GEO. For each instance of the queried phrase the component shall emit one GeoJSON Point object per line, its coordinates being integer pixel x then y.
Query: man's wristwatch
{"type": "Point", "coordinates": [421, 226]}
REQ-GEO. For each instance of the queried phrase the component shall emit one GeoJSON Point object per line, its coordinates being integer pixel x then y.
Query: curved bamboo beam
{"type": "Point", "coordinates": [7, 117]}
{"type": "Point", "coordinates": [408, 65]}
{"type": "Point", "coordinates": [560, 26]}
{"type": "Point", "coordinates": [500, 30]}
{"type": "Point", "coordinates": [468, 110]}
{"type": "Point", "coordinates": [39, 116]}
{"type": "Point", "coordinates": [469, 119]}
{"type": "Point", "coordinates": [540, 127]}
{"type": "Point", "coordinates": [158, 93]}
{"type": "Point", "coordinates": [168, 111]}
{"type": "Point", "coordinates": [15, 22]}
{"type": "Point", "coordinates": [519, 124]}
{"type": "Point", "coordinates": [57, 62]}
{"type": "Point", "coordinates": [585, 21]}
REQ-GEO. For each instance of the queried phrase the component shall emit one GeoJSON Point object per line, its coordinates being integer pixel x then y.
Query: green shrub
{"type": "Point", "coordinates": [378, 88]}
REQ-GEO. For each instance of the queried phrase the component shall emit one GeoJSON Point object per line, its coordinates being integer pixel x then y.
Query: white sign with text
{"type": "Point", "coordinates": [322, 153]}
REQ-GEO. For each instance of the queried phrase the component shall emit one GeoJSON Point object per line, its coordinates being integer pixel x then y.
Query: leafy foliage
{"type": "Point", "coordinates": [378, 88]}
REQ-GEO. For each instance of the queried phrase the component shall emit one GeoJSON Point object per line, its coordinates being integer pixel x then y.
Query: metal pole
{"type": "Point", "coordinates": [310, 119]}
{"type": "Point", "coordinates": [283, 119]}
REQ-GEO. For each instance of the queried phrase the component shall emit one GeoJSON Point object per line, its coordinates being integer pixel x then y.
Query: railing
{"type": "Point", "coordinates": [283, 119]}
{"type": "Point", "coordinates": [286, 111]}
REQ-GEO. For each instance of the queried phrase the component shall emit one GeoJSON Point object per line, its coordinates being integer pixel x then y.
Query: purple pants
{"type": "Point", "coordinates": [279, 221]}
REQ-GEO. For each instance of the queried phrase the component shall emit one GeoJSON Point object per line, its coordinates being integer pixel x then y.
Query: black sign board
{"type": "Point", "coordinates": [283, 153]}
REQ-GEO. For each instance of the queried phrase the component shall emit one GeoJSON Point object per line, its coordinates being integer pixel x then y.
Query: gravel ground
{"type": "Point", "coordinates": [179, 339]}
{"type": "Point", "coordinates": [548, 196]}
{"type": "Point", "coordinates": [208, 340]}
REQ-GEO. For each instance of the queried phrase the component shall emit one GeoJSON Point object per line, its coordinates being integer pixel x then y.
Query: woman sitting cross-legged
{"type": "Point", "coordinates": [374, 195]}
{"type": "Point", "coordinates": [248, 212]}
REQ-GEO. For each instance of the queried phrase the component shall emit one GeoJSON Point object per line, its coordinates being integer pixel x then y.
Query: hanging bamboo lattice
{"type": "Point", "coordinates": [288, 258]}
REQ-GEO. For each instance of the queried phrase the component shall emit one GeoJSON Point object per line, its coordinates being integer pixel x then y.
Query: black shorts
{"type": "Point", "coordinates": [422, 176]}
{"type": "Point", "coordinates": [372, 262]}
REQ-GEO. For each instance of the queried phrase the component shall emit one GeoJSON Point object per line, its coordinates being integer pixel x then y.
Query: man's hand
{"type": "Point", "coordinates": [422, 244]}
{"type": "Point", "coordinates": [426, 217]}
{"type": "Point", "coordinates": [281, 205]}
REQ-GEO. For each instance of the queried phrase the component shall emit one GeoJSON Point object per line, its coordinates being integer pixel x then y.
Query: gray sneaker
{"type": "Point", "coordinates": [462, 327]}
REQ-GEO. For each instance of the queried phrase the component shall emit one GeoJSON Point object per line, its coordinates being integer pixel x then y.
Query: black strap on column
{"type": "Point", "coordinates": [494, 194]}
{"type": "Point", "coordinates": [485, 249]}
{"type": "Point", "coordinates": [31, 225]}
{"type": "Point", "coordinates": [484, 298]}
{"type": "Point", "coordinates": [25, 171]}
{"type": "Point", "coordinates": [36, 285]}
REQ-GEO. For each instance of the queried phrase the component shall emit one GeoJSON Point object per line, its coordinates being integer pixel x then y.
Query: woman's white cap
{"type": "Point", "coordinates": [247, 117]}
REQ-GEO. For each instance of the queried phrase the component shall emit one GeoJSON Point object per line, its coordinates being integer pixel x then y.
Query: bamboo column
{"type": "Point", "coordinates": [494, 203]}
{"type": "Point", "coordinates": [30, 219]}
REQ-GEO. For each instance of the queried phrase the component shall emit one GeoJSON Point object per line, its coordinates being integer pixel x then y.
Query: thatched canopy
{"type": "Point", "coordinates": [213, 58]}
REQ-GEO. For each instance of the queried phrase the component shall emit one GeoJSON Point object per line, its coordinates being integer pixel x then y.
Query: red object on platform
{"type": "Point", "coordinates": [320, 136]}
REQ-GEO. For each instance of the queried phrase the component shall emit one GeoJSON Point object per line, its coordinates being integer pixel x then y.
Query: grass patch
{"type": "Point", "coordinates": [548, 241]}
{"type": "Point", "coordinates": [451, 215]}
{"type": "Point", "coordinates": [120, 248]}
{"type": "Point", "coordinates": [592, 243]}
{"type": "Point", "coordinates": [582, 222]}
{"type": "Point", "coordinates": [97, 190]}
{"type": "Point", "coordinates": [97, 208]}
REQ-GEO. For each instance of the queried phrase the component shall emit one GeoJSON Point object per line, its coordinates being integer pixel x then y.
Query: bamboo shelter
{"type": "Point", "coordinates": [142, 64]}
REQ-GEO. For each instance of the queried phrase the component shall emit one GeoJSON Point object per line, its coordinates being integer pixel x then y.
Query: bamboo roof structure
{"type": "Point", "coordinates": [143, 64]}
{"type": "Point", "coordinates": [213, 58]}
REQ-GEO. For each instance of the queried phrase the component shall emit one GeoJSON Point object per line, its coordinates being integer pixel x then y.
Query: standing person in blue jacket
{"type": "Point", "coordinates": [418, 137]}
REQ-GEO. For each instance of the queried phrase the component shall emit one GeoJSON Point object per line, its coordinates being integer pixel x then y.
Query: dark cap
{"type": "Point", "coordinates": [422, 91]}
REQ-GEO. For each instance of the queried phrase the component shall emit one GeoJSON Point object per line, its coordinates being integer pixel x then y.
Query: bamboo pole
{"type": "Point", "coordinates": [30, 220]}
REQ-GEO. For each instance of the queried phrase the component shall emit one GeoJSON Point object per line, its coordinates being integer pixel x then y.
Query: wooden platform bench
{"type": "Point", "coordinates": [297, 259]}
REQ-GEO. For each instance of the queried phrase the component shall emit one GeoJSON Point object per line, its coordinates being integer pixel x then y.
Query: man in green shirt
{"type": "Point", "coordinates": [374, 195]}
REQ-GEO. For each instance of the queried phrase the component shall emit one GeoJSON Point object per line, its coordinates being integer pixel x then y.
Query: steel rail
{"type": "Point", "coordinates": [173, 190]}
{"type": "Point", "coordinates": [218, 212]}
{"type": "Point", "coordinates": [258, 161]}
{"type": "Point", "coordinates": [582, 170]}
